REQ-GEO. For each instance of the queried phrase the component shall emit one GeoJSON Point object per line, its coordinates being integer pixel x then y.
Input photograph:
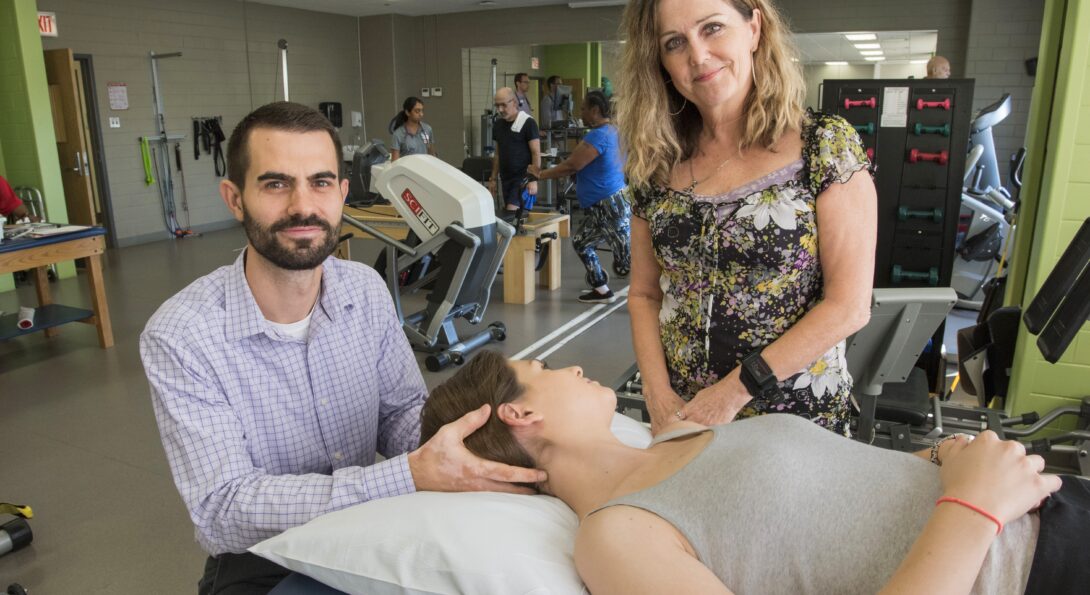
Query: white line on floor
{"type": "Point", "coordinates": [583, 329]}
{"type": "Point", "coordinates": [571, 323]}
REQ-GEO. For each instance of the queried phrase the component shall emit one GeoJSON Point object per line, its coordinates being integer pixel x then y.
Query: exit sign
{"type": "Point", "coordinates": [47, 24]}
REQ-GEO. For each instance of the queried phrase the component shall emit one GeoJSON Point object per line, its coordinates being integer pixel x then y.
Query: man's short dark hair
{"type": "Point", "coordinates": [553, 80]}
{"type": "Point", "coordinates": [281, 115]}
{"type": "Point", "coordinates": [522, 76]}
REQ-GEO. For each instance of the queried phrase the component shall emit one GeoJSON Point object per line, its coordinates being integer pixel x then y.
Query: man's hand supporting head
{"type": "Point", "coordinates": [444, 464]}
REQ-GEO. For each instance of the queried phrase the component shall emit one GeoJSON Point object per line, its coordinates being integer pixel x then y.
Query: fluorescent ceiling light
{"type": "Point", "coordinates": [868, 46]}
{"type": "Point", "coordinates": [860, 36]}
{"type": "Point", "coordinates": [836, 63]}
{"type": "Point", "coordinates": [871, 52]}
{"type": "Point", "coordinates": [875, 58]}
{"type": "Point", "coordinates": [918, 61]}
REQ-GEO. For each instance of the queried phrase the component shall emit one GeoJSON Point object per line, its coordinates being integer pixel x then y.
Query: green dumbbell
{"type": "Point", "coordinates": [931, 276]}
{"type": "Point", "coordinates": [921, 130]}
{"type": "Point", "coordinates": [867, 128]}
{"type": "Point", "coordinates": [905, 213]}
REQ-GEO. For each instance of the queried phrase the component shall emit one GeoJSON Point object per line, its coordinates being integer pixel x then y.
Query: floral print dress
{"type": "Point", "coordinates": [741, 268]}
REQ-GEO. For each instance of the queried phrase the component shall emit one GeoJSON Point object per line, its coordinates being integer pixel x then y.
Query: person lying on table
{"type": "Point", "coordinates": [773, 504]}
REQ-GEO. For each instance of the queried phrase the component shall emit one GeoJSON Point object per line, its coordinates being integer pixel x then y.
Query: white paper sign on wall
{"type": "Point", "coordinates": [119, 95]}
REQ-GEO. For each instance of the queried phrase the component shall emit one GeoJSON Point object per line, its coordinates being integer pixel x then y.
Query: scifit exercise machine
{"type": "Point", "coordinates": [451, 214]}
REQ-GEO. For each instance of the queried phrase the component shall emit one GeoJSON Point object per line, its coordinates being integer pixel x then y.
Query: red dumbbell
{"type": "Point", "coordinates": [922, 105]}
{"type": "Point", "coordinates": [871, 102]}
{"type": "Point", "coordinates": [870, 153]}
{"type": "Point", "coordinates": [916, 155]}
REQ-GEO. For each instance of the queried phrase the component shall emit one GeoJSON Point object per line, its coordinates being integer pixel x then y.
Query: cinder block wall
{"type": "Point", "coordinates": [477, 95]}
{"type": "Point", "coordinates": [227, 67]}
{"type": "Point", "coordinates": [1003, 34]}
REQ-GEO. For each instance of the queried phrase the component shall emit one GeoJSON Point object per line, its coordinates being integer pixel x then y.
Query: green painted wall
{"type": "Point", "coordinates": [1057, 203]}
{"type": "Point", "coordinates": [1036, 142]}
{"type": "Point", "coordinates": [26, 128]}
{"type": "Point", "coordinates": [595, 79]}
{"type": "Point", "coordinates": [569, 60]}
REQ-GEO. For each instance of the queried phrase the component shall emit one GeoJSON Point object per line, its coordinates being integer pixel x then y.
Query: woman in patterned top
{"type": "Point", "coordinates": [732, 181]}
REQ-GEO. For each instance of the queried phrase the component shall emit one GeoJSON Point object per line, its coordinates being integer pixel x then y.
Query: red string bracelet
{"type": "Point", "coordinates": [991, 517]}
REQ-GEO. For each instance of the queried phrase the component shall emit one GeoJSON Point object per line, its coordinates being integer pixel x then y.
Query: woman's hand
{"type": "Point", "coordinates": [719, 403]}
{"type": "Point", "coordinates": [997, 476]}
{"type": "Point", "coordinates": [950, 448]}
{"type": "Point", "coordinates": [663, 406]}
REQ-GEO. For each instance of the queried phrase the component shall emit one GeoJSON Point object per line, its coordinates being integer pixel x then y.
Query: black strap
{"type": "Point", "coordinates": [212, 138]}
{"type": "Point", "coordinates": [217, 158]}
{"type": "Point", "coordinates": [196, 139]}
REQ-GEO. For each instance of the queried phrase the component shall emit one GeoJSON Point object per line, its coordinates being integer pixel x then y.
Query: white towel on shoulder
{"type": "Point", "coordinates": [520, 120]}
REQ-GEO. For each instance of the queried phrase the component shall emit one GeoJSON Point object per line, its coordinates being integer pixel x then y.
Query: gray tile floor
{"type": "Point", "coordinates": [78, 440]}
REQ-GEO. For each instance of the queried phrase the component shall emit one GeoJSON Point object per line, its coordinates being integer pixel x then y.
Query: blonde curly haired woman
{"type": "Point", "coordinates": [739, 305]}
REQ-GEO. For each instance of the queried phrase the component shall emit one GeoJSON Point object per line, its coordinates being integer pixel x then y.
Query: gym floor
{"type": "Point", "coordinates": [78, 439]}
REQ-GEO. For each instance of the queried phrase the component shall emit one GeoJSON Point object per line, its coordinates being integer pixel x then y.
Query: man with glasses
{"type": "Point", "coordinates": [522, 86]}
{"type": "Point", "coordinates": [516, 137]}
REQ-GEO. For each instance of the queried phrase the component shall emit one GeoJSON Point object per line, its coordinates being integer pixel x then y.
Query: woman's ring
{"type": "Point", "coordinates": [679, 414]}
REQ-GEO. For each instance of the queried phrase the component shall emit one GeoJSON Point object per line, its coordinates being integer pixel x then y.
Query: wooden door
{"type": "Point", "coordinates": [578, 91]}
{"type": "Point", "coordinates": [73, 145]}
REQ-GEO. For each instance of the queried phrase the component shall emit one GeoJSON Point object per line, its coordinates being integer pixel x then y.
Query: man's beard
{"type": "Point", "coordinates": [292, 255]}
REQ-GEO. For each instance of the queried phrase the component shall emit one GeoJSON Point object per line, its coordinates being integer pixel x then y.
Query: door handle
{"type": "Point", "coordinates": [79, 165]}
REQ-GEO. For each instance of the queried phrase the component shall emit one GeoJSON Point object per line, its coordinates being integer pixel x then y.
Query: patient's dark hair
{"type": "Point", "coordinates": [486, 379]}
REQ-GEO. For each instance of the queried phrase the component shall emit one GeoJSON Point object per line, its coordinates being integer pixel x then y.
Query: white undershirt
{"type": "Point", "coordinates": [293, 330]}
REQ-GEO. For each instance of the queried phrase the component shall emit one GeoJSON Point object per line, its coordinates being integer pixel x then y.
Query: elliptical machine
{"type": "Point", "coordinates": [986, 221]}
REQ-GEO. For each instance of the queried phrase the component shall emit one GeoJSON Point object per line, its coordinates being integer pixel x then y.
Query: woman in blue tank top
{"type": "Point", "coordinates": [773, 504]}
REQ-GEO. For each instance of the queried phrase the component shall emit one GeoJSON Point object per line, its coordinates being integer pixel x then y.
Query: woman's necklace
{"type": "Point", "coordinates": [692, 175]}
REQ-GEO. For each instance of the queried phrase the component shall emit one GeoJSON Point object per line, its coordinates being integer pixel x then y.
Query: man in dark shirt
{"type": "Point", "coordinates": [518, 146]}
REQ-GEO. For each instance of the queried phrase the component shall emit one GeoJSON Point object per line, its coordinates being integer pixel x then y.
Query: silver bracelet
{"type": "Point", "coordinates": [935, 448]}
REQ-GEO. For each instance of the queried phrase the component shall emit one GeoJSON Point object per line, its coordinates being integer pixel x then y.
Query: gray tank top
{"type": "Point", "coordinates": [776, 504]}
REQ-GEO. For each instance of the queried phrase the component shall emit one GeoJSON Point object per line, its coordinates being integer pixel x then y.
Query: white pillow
{"type": "Point", "coordinates": [630, 431]}
{"type": "Point", "coordinates": [474, 542]}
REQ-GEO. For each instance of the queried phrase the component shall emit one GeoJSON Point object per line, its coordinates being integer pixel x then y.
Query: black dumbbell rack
{"type": "Point", "coordinates": [921, 161]}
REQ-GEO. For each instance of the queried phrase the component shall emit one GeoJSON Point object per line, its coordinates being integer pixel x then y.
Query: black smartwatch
{"type": "Point", "coordinates": [758, 378]}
